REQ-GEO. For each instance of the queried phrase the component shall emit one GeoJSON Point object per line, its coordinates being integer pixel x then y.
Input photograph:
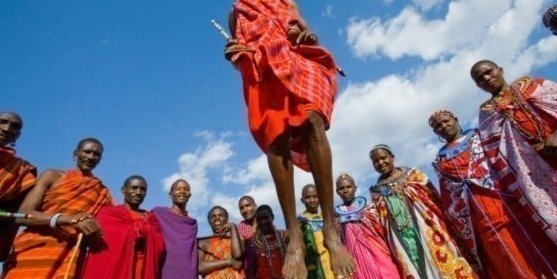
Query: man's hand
{"type": "Point", "coordinates": [225, 229]}
{"type": "Point", "coordinates": [232, 46]}
{"type": "Point", "coordinates": [88, 226]}
{"type": "Point", "coordinates": [298, 35]}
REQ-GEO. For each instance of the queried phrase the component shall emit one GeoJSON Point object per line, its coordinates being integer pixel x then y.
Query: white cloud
{"type": "Point", "coordinates": [411, 33]}
{"type": "Point", "coordinates": [427, 4]}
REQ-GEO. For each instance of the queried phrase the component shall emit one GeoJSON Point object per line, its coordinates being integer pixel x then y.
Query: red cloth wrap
{"type": "Point", "coordinates": [281, 81]}
{"type": "Point", "coordinates": [113, 257]}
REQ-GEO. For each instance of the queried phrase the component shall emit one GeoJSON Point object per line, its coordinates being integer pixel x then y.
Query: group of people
{"type": "Point", "coordinates": [72, 229]}
{"type": "Point", "coordinates": [494, 215]}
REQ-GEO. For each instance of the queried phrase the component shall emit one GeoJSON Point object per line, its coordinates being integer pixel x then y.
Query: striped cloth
{"type": "Point", "coordinates": [45, 252]}
{"type": "Point", "coordinates": [17, 176]}
{"type": "Point", "coordinates": [518, 167]}
{"type": "Point", "coordinates": [281, 81]}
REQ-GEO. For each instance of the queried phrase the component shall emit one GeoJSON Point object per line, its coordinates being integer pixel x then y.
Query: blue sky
{"type": "Point", "coordinates": [149, 80]}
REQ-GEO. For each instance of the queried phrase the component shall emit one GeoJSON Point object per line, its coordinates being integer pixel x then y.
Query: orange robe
{"type": "Point", "coordinates": [45, 252]}
{"type": "Point", "coordinates": [17, 176]}
{"type": "Point", "coordinates": [281, 81]}
{"type": "Point", "coordinates": [219, 249]}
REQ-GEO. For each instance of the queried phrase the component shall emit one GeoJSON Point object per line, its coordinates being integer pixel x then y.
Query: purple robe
{"type": "Point", "coordinates": [180, 239]}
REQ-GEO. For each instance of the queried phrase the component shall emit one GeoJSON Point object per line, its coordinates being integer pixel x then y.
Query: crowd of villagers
{"type": "Point", "coordinates": [493, 214]}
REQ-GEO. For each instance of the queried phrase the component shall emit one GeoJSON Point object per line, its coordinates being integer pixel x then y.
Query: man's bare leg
{"type": "Point", "coordinates": [320, 161]}
{"type": "Point", "coordinates": [283, 175]}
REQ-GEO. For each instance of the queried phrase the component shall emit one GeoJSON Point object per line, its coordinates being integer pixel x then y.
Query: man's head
{"type": "Point", "coordinates": [217, 217]}
{"type": "Point", "coordinates": [346, 188]}
{"type": "Point", "coordinates": [265, 217]}
{"type": "Point", "coordinates": [88, 154]}
{"type": "Point", "coordinates": [310, 198]}
{"type": "Point", "coordinates": [247, 207]}
{"type": "Point", "coordinates": [134, 191]}
{"type": "Point", "coordinates": [488, 76]}
{"type": "Point", "coordinates": [10, 128]}
{"type": "Point", "coordinates": [180, 192]}
{"type": "Point", "coordinates": [550, 19]}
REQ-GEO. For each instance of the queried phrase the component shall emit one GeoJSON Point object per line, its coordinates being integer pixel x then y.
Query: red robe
{"type": "Point", "coordinates": [282, 81]}
{"type": "Point", "coordinates": [131, 247]}
{"type": "Point", "coordinates": [488, 222]}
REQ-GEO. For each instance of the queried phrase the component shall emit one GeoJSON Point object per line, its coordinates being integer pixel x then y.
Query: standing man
{"type": "Point", "coordinates": [180, 234]}
{"type": "Point", "coordinates": [17, 176]}
{"type": "Point", "coordinates": [311, 222]}
{"type": "Point", "coordinates": [63, 205]}
{"type": "Point", "coordinates": [247, 227]}
{"type": "Point", "coordinates": [132, 245]}
{"type": "Point", "coordinates": [518, 130]}
{"type": "Point", "coordinates": [289, 87]}
{"type": "Point", "coordinates": [220, 255]}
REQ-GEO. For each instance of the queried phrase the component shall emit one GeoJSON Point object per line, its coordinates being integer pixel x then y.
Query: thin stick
{"type": "Point", "coordinates": [9, 215]}
{"type": "Point", "coordinates": [74, 254]}
{"type": "Point", "coordinates": [220, 29]}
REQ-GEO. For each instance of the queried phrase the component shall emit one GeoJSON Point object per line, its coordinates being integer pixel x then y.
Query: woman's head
{"type": "Point", "coordinates": [382, 158]}
{"type": "Point", "coordinates": [488, 76]}
{"type": "Point", "coordinates": [346, 188]}
{"type": "Point", "coordinates": [445, 125]}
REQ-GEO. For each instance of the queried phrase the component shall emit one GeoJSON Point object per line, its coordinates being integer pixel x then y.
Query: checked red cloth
{"type": "Point", "coordinates": [281, 81]}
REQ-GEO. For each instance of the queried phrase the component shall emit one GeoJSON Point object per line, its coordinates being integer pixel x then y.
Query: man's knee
{"type": "Point", "coordinates": [315, 122]}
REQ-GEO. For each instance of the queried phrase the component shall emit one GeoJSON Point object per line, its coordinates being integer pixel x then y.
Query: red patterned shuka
{"type": "Point", "coordinates": [282, 81]}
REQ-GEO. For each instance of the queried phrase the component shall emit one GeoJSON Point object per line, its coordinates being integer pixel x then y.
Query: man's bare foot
{"type": "Point", "coordinates": [342, 262]}
{"type": "Point", "coordinates": [294, 263]}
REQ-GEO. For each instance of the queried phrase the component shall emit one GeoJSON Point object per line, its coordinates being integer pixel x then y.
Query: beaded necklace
{"type": "Point", "coordinates": [267, 252]}
{"type": "Point", "coordinates": [390, 185]}
{"type": "Point", "coordinates": [351, 214]}
{"type": "Point", "coordinates": [511, 100]}
{"type": "Point", "coordinates": [395, 185]}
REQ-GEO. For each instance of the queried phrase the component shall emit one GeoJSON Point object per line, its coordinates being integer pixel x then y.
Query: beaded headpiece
{"type": "Point", "coordinates": [437, 113]}
{"type": "Point", "coordinates": [345, 176]}
{"type": "Point", "coordinates": [381, 146]}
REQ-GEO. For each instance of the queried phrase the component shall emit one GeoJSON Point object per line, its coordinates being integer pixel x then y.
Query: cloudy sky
{"type": "Point", "coordinates": [148, 79]}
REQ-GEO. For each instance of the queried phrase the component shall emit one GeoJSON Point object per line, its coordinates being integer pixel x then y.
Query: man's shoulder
{"type": "Point", "coordinates": [159, 209]}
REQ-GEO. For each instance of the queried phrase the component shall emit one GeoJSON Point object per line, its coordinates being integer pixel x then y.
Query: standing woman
{"type": "Point", "coordinates": [481, 212]}
{"type": "Point", "coordinates": [409, 210]}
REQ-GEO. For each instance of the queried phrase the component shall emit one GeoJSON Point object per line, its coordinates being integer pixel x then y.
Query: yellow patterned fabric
{"type": "Point", "coordinates": [317, 237]}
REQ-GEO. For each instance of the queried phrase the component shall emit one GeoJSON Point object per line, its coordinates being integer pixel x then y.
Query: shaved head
{"type": "Point", "coordinates": [482, 62]}
{"type": "Point", "coordinates": [249, 198]}
{"type": "Point", "coordinates": [12, 114]}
